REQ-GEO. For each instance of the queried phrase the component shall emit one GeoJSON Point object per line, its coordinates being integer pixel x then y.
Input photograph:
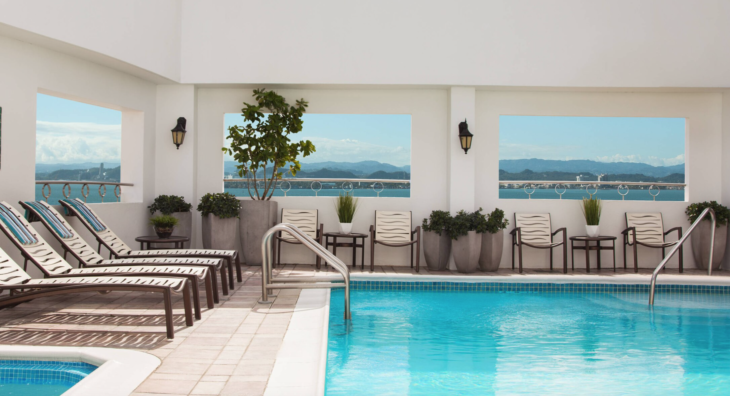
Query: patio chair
{"type": "Point", "coordinates": [118, 249]}
{"type": "Point", "coordinates": [394, 229]}
{"type": "Point", "coordinates": [647, 229]}
{"type": "Point", "coordinates": [535, 231]}
{"type": "Point", "coordinates": [34, 249]}
{"type": "Point", "coordinates": [22, 287]}
{"type": "Point", "coordinates": [88, 258]}
{"type": "Point", "coordinates": [305, 220]}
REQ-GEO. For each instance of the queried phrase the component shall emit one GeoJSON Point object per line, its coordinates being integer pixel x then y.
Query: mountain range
{"type": "Point", "coordinates": [48, 168]}
{"type": "Point", "coordinates": [588, 166]}
{"type": "Point", "coordinates": [358, 169]}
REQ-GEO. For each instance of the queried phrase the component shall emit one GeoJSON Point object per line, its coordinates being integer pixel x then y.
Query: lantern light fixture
{"type": "Point", "coordinates": [178, 133]}
{"type": "Point", "coordinates": [465, 136]}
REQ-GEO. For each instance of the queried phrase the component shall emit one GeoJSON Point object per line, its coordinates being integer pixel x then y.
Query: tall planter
{"type": "Point", "coordinates": [491, 252]}
{"type": "Point", "coordinates": [256, 218]}
{"type": "Point", "coordinates": [184, 227]}
{"type": "Point", "coordinates": [436, 249]}
{"type": "Point", "coordinates": [219, 233]}
{"type": "Point", "coordinates": [701, 245]}
{"type": "Point", "coordinates": [466, 250]}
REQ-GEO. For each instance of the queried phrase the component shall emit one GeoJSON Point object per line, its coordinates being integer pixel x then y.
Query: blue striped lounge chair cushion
{"type": "Point", "coordinates": [16, 227]}
{"type": "Point", "coordinates": [88, 215]}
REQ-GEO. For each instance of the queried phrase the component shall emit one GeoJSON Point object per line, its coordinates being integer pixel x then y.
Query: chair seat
{"type": "Point", "coordinates": [658, 245]}
{"type": "Point", "coordinates": [541, 245]}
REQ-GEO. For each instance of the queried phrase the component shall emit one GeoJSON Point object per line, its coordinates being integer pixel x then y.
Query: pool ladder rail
{"type": "Point", "coordinates": [268, 281]}
{"type": "Point", "coordinates": [681, 241]}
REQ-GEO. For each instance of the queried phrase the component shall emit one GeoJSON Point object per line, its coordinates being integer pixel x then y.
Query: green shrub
{"type": "Point", "coordinates": [592, 211]}
{"type": "Point", "coordinates": [164, 221]}
{"type": "Point", "coordinates": [438, 222]}
{"type": "Point", "coordinates": [223, 205]}
{"type": "Point", "coordinates": [346, 206]}
{"type": "Point", "coordinates": [464, 222]}
{"type": "Point", "coordinates": [496, 221]}
{"type": "Point", "coordinates": [168, 204]}
{"type": "Point", "coordinates": [722, 214]}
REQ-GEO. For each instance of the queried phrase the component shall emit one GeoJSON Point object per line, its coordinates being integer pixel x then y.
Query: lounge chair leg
{"type": "Point", "coordinates": [239, 275]}
{"type": "Point", "coordinates": [168, 314]}
{"type": "Point", "coordinates": [513, 253]}
{"type": "Point", "coordinates": [277, 253]}
{"type": "Point", "coordinates": [231, 284]}
{"type": "Point", "coordinates": [565, 258]}
{"type": "Point", "coordinates": [519, 249]}
{"type": "Point", "coordinates": [214, 281]}
{"type": "Point", "coordinates": [418, 252]}
{"type": "Point", "coordinates": [551, 259]}
{"type": "Point", "coordinates": [186, 304]}
{"type": "Point", "coordinates": [625, 246]}
{"type": "Point", "coordinates": [636, 258]}
{"type": "Point", "coordinates": [372, 255]}
{"type": "Point", "coordinates": [681, 259]}
{"type": "Point", "coordinates": [196, 297]}
{"type": "Point", "coordinates": [209, 289]}
{"type": "Point", "coordinates": [224, 285]}
{"type": "Point", "coordinates": [411, 256]}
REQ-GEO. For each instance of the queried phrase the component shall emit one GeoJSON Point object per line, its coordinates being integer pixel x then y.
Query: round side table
{"type": "Point", "coordinates": [177, 240]}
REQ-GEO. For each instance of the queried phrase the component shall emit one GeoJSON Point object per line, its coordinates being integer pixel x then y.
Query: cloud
{"type": "Point", "coordinates": [651, 160]}
{"type": "Point", "coordinates": [350, 150]}
{"type": "Point", "coordinates": [73, 142]}
{"type": "Point", "coordinates": [521, 151]}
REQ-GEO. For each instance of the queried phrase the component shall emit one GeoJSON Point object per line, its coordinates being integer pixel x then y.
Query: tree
{"type": "Point", "coordinates": [264, 142]}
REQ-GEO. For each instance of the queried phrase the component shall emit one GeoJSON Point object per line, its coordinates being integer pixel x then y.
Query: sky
{"type": "Point", "coordinates": [654, 141]}
{"type": "Point", "coordinates": [352, 137]}
{"type": "Point", "coordinates": [69, 132]}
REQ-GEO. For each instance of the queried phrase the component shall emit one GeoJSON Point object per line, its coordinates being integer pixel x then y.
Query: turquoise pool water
{"type": "Point", "coordinates": [40, 378]}
{"type": "Point", "coordinates": [528, 343]}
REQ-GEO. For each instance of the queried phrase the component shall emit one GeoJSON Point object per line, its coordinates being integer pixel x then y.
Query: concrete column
{"type": "Point", "coordinates": [462, 167]}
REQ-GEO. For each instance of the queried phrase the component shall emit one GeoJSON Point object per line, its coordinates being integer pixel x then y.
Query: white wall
{"type": "Point", "coordinates": [704, 157]}
{"type": "Point", "coordinates": [27, 69]}
{"type": "Point", "coordinates": [559, 43]}
{"type": "Point", "coordinates": [429, 188]}
{"type": "Point", "coordinates": [139, 32]}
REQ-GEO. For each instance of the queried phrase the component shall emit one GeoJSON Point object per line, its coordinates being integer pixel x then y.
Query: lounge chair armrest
{"type": "Point", "coordinates": [559, 230]}
{"type": "Point", "coordinates": [626, 231]}
{"type": "Point", "coordinates": [563, 230]}
{"type": "Point", "coordinates": [678, 229]}
{"type": "Point", "coordinates": [514, 231]}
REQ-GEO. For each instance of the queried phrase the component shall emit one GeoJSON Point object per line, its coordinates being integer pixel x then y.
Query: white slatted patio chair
{"type": "Point", "coordinates": [394, 229]}
{"type": "Point", "coordinates": [647, 229]}
{"type": "Point", "coordinates": [305, 220]}
{"type": "Point", "coordinates": [535, 231]}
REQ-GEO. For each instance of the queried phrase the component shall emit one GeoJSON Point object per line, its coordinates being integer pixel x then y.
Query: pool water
{"type": "Point", "coordinates": [528, 343]}
{"type": "Point", "coordinates": [40, 378]}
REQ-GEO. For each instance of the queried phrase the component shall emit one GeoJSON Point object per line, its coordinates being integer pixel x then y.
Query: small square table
{"type": "Point", "coordinates": [353, 244]}
{"type": "Point", "coordinates": [587, 247]}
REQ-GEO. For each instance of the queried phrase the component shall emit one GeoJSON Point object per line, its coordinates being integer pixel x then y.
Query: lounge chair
{"type": "Point", "coordinates": [649, 231]}
{"type": "Point", "coordinates": [394, 229]}
{"type": "Point", "coordinates": [118, 249]}
{"type": "Point", "coordinates": [305, 220]}
{"type": "Point", "coordinates": [89, 258]}
{"type": "Point", "coordinates": [35, 249]}
{"type": "Point", "coordinates": [23, 288]}
{"type": "Point", "coordinates": [535, 231]}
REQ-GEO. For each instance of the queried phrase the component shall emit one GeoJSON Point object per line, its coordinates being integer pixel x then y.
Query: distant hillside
{"type": "Point", "coordinates": [48, 168]}
{"type": "Point", "coordinates": [587, 176]}
{"type": "Point", "coordinates": [583, 166]}
{"type": "Point", "coordinates": [92, 174]}
{"type": "Point", "coordinates": [326, 174]}
{"type": "Point", "coordinates": [359, 169]}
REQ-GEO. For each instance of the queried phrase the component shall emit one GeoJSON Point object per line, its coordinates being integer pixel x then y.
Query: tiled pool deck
{"type": "Point", "coordinates": [232, 350]}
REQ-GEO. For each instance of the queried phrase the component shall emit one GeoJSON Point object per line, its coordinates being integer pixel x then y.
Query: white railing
{"type": "Point", "coordinates": [316, 185]}
{"type": "Point", "coordinates": [85, 189]}
{"type": "Point", "coordinates": [591, 187]}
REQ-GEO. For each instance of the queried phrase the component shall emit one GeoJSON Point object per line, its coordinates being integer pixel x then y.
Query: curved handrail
{"type": "Point", "coordinates": [679, 243]}
{"type": "Point", "coordinates": [309, 242]}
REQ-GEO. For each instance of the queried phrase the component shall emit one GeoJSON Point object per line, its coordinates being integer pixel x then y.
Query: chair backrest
{"type": "Point", "coordinates": [649, 227]}
{"type": "Point", "coordinates": [535, 228]}
{"type": "Point", "coordinates": [305, 220]}
{"type": "Point", "coordinates": [39, 252]}
{"type": "Point", "coordinates": [392, 226]}
{"type": "Point", "coordinates": [62, 230]}
{"type": "Point", "coordinates": [10, 272]}
{"type": "Point", "coordinates": [94, 224]}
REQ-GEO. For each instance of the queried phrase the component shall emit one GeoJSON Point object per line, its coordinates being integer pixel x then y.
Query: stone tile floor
{"type": "Point", "coordinates": [231, 351]}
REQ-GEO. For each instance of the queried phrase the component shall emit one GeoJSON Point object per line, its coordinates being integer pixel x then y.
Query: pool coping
{"type": "Point", "coordinates": [119, 371]}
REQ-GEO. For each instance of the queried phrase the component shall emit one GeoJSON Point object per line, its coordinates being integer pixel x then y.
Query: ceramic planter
{"type": "Point", "coordinates": [219, 233]}
{"type": "Point", "coordinates": [592, 231]}
{"type": "Point", "coordinates": [436, 249]}
{"type": "Point", "coordinates": [345, 228]}
{"type": "Point", "coordinates": [256, 217]}
{"type": "Point", "coordinates": [466, 250]}
{"type": "Point", "coordinates": [163, 232]}
{"type": "Point", "coordinates": [701, 245]}
{"type": "Point", "coordinates": [491, 252]}
{"type": "Point", "coordinates": [184, 227]}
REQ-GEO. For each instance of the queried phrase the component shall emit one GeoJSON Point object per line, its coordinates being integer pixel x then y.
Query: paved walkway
{"type": "Point", "coordinates": [231, 351]}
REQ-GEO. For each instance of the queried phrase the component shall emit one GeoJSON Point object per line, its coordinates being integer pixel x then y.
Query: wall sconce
{"type": "Point", "coordinates": [178, 133]}
{"type": "Point", "coordinates": [465, 136]}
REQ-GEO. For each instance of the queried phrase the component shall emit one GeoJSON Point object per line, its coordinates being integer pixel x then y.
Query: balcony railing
{"type": "Point", "coordinates": [529, 187]}
{"type": "Point", "coordinates": [285, 185]}
{"type": "Point", "coordinates": [47, 191]}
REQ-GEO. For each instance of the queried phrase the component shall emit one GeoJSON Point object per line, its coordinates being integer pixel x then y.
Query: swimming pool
{"type": "Point", "coordinates": [546, 339]}
{"type": "Point", "coordinates": [40, 378]}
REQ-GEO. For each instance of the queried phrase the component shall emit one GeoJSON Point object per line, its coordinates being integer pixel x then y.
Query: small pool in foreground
{"type": "Point", "coordinates": [40, 378]}
{"type": "Point", "coordinates": [533, 339]}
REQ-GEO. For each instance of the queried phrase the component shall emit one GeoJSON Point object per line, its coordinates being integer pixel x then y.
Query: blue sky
{"type": "Point", "coordinates": [352, 137]}
{"type": "Point", "coordinates": [655, 141]}
{"type": "Point", "coordinates": [73, 132]}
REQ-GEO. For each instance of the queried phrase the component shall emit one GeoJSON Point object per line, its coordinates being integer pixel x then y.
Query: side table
{"type": "Point", "coordinates": [353, 244]}
{"type": "Point", "coordinates": [177, 240]}
{"type": "Point", "coordinates": [587, 247]}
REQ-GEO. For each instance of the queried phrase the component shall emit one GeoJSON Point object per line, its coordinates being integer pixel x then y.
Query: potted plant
{"type": "Point", "coordinates": [701, 235]}
{"type": "Point", "coordinates": [220, 213]}
{"type": "Point", "coordinates": [175, 206]}
{"type": "Point", "coordinates": [466, 241]}
{"type": "Point", "coordinates": [592, 212]}
{"type": "Point", "coordinates": [163, 225]}
{"type": "Point", "coordinates": [262, 147]}
{"type": "Point", "coordinates": [436, 241]}
{"type": "Point", "coordinates": [493, 241]}
{"type": "Point", "coordinates": [346, 206]}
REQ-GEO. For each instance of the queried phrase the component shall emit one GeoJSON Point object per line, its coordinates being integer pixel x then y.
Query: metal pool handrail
{"type": "Point", "coordinates": [676, 247]}
{"type": "Point", "coordinates": [267, 279]}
